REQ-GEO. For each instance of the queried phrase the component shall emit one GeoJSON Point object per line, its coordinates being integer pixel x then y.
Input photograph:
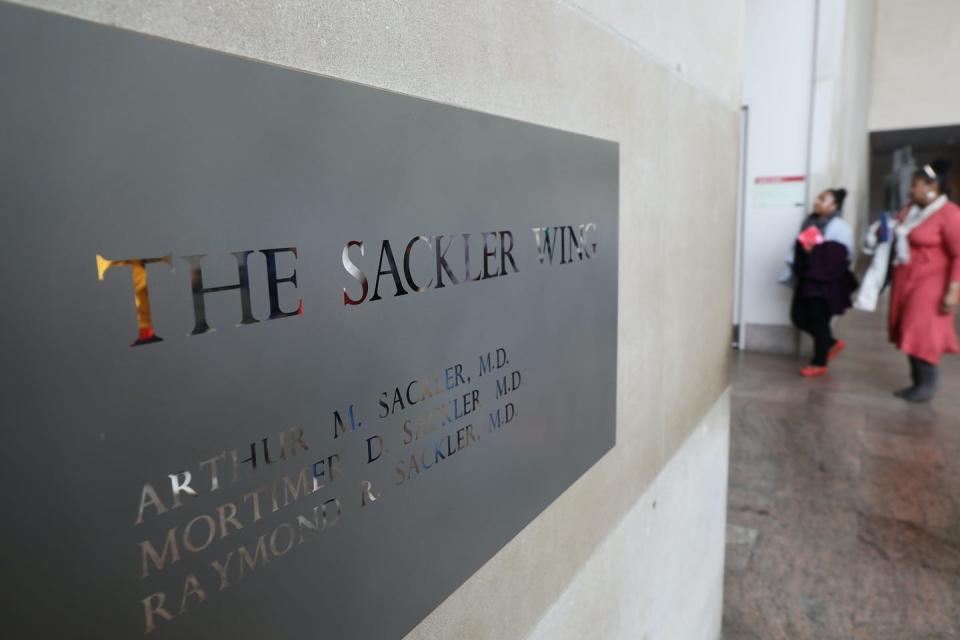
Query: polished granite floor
{"type": "Point", "coordinates": [844, 501]}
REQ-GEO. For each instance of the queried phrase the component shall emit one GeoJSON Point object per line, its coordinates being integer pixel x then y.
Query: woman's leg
{"type": "Point", "coordinates": [902, 393]}
{"type": "Point", "coordinates": [798, 314]}
{"type": "Point", "coordinates": [925, 381]}
{"type": "Point", "coordinates": [818, 312]}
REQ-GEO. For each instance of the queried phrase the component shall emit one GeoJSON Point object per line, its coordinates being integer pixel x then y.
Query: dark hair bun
{"type": "Point", "coordinates": [839, 195]}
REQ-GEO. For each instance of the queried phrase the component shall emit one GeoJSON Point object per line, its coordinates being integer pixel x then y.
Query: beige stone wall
{"type": "Point", "coordinates": [632, 587]}
{"type": "Point", "coordinates": [662, 79]}
{"type": "Point", "coordinates": [917, 49]}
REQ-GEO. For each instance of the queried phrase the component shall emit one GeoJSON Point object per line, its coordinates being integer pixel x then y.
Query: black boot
{"type": "Point", "coordinates": [903, 393]}
{"type": "Point", "coordinates": [926, 387]}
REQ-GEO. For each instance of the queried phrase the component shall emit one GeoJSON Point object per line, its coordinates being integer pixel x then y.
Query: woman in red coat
{"type": "Point", "coordinates": [926, 280]}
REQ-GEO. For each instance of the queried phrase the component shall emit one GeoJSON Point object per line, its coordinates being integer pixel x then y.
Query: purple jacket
{"type": "Point", "coordinates": [825, 273]}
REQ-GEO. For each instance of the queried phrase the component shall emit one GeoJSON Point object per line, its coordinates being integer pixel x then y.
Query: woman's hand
{"type": "Point", "coordinates": [951, 298]}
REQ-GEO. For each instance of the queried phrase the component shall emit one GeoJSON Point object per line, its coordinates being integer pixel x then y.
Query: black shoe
{"type": "Point", "coordinates": [903, 393]}
{"type": "Point", "coordinates": [919, 394]}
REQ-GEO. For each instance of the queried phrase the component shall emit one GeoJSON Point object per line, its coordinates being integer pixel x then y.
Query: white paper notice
{"type": "Point", "coordinates": [779, 191]}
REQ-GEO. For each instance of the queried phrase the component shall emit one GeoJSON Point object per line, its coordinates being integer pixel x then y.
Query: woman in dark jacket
{"type": "Point", "coordinates": [821, 269]}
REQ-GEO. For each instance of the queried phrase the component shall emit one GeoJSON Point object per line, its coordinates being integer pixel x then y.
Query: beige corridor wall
{"type": "Point", "coordinates": [916, 51]}
{"type": "Point", "coordinates": [662, 79]}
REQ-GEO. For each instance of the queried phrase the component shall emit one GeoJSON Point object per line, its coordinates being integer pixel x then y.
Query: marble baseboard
{"type": "Point", "coordinates": [771, 338]}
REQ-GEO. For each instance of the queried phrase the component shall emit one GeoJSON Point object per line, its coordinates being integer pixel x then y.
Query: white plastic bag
{"type": "Point", "coordinates": [873, 279]}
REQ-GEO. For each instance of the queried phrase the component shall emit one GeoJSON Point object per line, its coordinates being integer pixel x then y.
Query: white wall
{"type": "Point", "coordinates": [778, 62]}
{"type": "Point", "coordinates": [840, 146]}
{"type": "Point", "coordinates": [917, 55]}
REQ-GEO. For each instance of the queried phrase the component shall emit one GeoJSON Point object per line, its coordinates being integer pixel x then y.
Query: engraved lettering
{"type": "Point", "coordinates": [273, 540]}
{"type": "Point", "coordinates": [442, 264]}
{"type": "Point", "coordinates": [191, 588]}
{"type": "Point", "coordinates": [148, 552]}
{"type": "Point", "coordinates": [356, 273]}
{"type": "Point", "coordinates": [259, 555]}
{"type": "Point", "coordinates": [153, 606]}
{"type": "Point", "coordinates": [149, 498]}
{"type": "Point", "coordinates": [178, 486]}
{"type": "Point", "coordinates": [141, 293]}
{"type": "Point", "coordinates": [506, 252]}
{"type": "Point", "coordinates": [273, 283]}
{"type": "Point", "coordinates": [406, 265]}
{"type": "Point", "coordinates": [221, 570]}
{"type": "Point", "coordinates": [198, 291]}
{"type": "Point", "coordinates": [386, 251]}
{"type": "Point", "coordinates": [188, 543]}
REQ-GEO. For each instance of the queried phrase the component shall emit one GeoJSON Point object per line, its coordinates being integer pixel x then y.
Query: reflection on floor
{"type": "Point", "coordinates": [844, 501]}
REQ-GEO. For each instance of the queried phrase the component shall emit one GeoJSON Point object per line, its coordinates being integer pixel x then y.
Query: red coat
{"type": "Point", "coordinates": [916, 324]}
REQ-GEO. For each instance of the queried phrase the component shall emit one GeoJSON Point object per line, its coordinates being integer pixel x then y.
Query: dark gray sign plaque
{"type": "Point", "coordinates": [283, 356]}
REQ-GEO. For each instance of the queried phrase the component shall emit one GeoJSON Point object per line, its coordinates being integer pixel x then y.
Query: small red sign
{"type": "Point", "coordinates": [778, 179]}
